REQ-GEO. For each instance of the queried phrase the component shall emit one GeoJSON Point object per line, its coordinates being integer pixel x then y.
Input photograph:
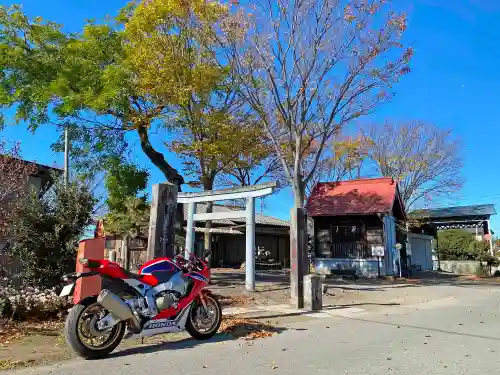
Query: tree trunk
{"type": "Point", "coordinates": [170, 173]}
{"type": "Point", "coordinates": [298, 194]}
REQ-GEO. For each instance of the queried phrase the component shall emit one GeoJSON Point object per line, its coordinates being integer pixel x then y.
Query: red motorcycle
{"type": "Point", "coordinates": [165, 296]}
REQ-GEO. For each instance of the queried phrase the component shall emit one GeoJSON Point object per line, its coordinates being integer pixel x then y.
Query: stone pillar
{"type": "Point", "coordinates": [313, 293]}
{"type": "Point", "coordinates": [298, 255]}
{"type": "Point", "coordinates": [190, 235]}
{"type": "Point", "coordinates": [161, 239]}
{"type": "Point", "coordinates": [250, 245]}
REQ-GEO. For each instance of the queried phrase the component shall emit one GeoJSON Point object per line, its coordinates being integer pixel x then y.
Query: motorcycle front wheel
{"type": "Point", "coordinates": [82, 334]}
{"type": "Point", "coordinates": [204, 322]}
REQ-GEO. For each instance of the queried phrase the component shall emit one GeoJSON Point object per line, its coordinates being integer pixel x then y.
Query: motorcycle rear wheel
{"type": "Point", "coordinates": [198, 316]}
{"type": "Point", "coordinates": [76, 335]}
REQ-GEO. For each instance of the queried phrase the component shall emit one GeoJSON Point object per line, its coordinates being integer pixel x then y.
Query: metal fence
{"type": "Point", "coordinates": [10, 268]}
{"type": "Point", "coordinates": [355, 250]}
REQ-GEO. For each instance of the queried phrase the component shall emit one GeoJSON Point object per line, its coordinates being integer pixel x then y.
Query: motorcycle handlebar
{"type": "Point", "coordinates": [192, 262]}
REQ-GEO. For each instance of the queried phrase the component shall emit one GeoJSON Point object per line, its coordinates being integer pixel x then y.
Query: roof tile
{"type": "Point", "coordinates": [365, 196]}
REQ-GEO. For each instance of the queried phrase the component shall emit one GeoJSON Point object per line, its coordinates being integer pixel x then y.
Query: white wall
{"type": "Point", "coordinates": [421, 250]}
{"type": "Point", "coordinates": [364, 267]}
{"type": "Point", "coordinates": [461, 267]}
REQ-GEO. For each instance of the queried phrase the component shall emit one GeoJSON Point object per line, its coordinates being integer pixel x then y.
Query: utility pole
{"type": "Point", "coordinates": [66, 156]}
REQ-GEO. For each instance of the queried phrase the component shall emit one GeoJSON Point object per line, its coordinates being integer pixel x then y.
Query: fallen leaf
{"type": "Point", "coordinates": [247, 329]}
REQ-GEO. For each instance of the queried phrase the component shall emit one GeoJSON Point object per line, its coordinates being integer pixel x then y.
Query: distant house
{"type": "Point", "coordinates": [228, 239]}
{"type": "Point", "coordinates": [352, 221]}
{"type": "Point", "coordinates": [40, 179]}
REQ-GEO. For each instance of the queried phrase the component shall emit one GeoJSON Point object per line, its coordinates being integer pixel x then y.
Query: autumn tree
{"type": "Point", "coordinates": [254, 165]}
{"type": "Point", "coordinates": [128, 74]}
{"type": "Point", "coordinates": [308, 68]}
{"type": "Point", "coordinates": [424, 159]}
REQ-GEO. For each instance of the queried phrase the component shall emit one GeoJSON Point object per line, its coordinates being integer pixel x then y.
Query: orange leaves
{"type": "Point", "coordinates": [399, 22]}
{"type": "Point", "coordinates": [348, 14]}
{"type": "Point", "coordinates": [247, 329]}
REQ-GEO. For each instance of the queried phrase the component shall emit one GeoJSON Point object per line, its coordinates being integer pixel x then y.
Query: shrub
{"type": "Point", "coordinates": [46, 232]}
{"type": "Point", "coordinates": [480, 270]}
{"type": "Point", "coordinates": [457, 244]}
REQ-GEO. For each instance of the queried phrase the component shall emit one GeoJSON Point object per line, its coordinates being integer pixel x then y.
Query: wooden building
{"type": "Point", "coordinates": [228, 239]}
{"type": "Point", "coordinates": [351, 221]}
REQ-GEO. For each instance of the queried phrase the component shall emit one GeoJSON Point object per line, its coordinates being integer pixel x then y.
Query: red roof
{"type": "Point", "coordinates": [355, 197]}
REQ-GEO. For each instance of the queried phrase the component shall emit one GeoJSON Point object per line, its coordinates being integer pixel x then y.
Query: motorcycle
{"type": "Point", "coordinates": [167, 295]}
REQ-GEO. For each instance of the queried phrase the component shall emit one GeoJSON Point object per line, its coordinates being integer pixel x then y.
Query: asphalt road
{"type": "Point", "coordinates": [456, 334]}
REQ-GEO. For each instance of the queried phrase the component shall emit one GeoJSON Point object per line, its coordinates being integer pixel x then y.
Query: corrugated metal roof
{"type": "Point", "coordinates": [201, 208]}
{"type": "Point", "coordinates": [354, 197]}
{"type": "Point", "coordinates": [457, 211]}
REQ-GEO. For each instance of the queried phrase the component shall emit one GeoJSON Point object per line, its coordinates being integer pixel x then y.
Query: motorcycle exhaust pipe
{"type": "Point", "coordinates": [116, 306]}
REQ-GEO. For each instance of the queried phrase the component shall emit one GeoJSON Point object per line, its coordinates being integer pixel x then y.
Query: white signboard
{"type": "Point", "coordinates": [377, 250]}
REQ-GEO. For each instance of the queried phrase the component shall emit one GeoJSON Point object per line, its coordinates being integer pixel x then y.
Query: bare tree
{"type": "Point", "coordinates": [253, 166]}
{"type": "Point", "coordinates": [343, 160]}
{"type": "Point", "coordinates": [309, 67]}
{"type": "Point", "coordinates": [14, 175]}
{"type": "Point", "coordinates": [424, 159]}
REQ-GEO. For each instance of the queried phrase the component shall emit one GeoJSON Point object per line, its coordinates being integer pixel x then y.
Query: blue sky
{"type": "Point", "coordinates": [453, 84]}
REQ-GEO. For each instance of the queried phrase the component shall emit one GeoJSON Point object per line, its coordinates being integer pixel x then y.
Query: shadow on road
{"type": "Point", "coordinates": [327, 307]}
{"type": "Point", "coordinates": [243, 328]}
{"type": "Point", "coordinates": [169, 345]}
{"type": "Point", "coordinates": [428, 329]}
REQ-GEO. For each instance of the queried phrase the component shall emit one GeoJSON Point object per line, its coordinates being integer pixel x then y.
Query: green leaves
{"type": "Point", "coordinates": [457, 244]}
{"type": "Point", "coordinates": [127, 212]}
{"type": "Point", "coordinates": [46, 231]}
{"type": "Point", "coordinates": [123, 180]}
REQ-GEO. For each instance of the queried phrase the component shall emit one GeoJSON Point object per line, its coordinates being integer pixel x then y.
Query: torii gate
{"type": "Point", "coordinates": [247, 192]}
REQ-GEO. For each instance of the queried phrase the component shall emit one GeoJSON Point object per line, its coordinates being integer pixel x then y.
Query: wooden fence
{"type": "Point", "coordinates": [10, 268]}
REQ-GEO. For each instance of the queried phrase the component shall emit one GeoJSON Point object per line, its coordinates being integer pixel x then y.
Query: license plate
{"type": "Point", "coordinates": [67, 290]}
